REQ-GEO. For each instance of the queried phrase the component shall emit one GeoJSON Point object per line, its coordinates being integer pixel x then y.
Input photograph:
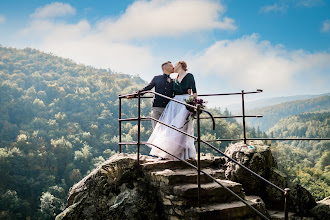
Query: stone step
{"type": "Point", "coordinates": [216, 173]}
{"type": "Point", "coordinates": [172, 164]}
{"type": "Point", "coordinates": [235, 210]}
{"type": "Point", "coordinates": [172, 177]}
{"type": "Point", "coordinates": [279, 215]}
{"type": "Point", "coordinates": [156, 164]}
{"type": "Point", "coordinates": [207, 189]}
{"type": "Point", "coordinates": [186, 194]}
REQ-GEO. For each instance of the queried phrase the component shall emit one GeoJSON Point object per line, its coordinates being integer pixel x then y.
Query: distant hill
{"type": "Point", "coordinates": [309, 125]}
{"type": "Point", "coordinates": [237, 108]}
{"type": "Point", "coordinates": [273, 114]}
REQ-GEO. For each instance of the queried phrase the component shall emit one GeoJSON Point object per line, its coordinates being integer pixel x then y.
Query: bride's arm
{"type": "Point", "coordinates": [193, 86]}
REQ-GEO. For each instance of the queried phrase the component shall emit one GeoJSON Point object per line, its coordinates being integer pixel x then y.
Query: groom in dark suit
{"type": "Point", "coordinates": [163, 84]}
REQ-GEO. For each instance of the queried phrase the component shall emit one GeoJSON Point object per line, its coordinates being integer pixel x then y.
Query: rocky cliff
{"type": "Point", "coordinates": [165, 189]}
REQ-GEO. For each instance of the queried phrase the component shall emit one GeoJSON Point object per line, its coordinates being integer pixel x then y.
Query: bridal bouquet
{"type": "Point", "coordinates": [193, 101]}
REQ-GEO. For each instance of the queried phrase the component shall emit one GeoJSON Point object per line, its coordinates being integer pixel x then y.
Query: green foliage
{"type": "Point", "coordinates": [57, 122]}
{"type": "Point", "coordinates": [305, 162]}
{"type": "Point", "coordinates": [13, 207]}
{"type": "Point", "coordinates": [50, 205]}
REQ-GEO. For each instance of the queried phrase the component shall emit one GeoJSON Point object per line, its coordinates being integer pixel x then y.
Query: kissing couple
{"type": "Point", "coordinates": [172, 113]}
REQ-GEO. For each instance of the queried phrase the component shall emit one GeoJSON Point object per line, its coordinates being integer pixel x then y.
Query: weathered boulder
{"type": "Point", "coordinates": [272, 195]}
{"type": "Point", "coordinates": [322, 209]}
{"type": "Point", "coordinates": [301, 200]}
{"type": "Point", "coordinates": [258, 158]}
{"type": "Point", "coordinates": [115, 190]}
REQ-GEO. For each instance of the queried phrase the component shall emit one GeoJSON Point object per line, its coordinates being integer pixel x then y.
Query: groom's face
{"type": "Point", "coordinates": [169, 68]}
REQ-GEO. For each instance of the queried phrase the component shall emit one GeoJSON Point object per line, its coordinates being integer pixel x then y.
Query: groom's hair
{"type": "Point", "coordinates": [164, 64]}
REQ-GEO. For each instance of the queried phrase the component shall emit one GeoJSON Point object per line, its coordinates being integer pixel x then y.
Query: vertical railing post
{"type": "Point", "coordinates": [243, 112]}
{"type": "Point", "coordinates": [286, 203]}
{"type": "Point", "coordinates": [139, 128]}
{"type": "Point", "coordinates": [119, 128]}
{"type": "Point", "coordinates": [199, 155]}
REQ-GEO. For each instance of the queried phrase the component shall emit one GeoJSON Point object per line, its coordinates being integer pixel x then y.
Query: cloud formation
{"type": "Point", "coordinates": [80, 43]}
{"type": "Point", "coordinates": [108, 43]}
{"type": "Point", "coordinates": [309, 3]}
{"type": "Point", "coordinates": [55, 9]}
{"type": "Point", "coordinates": [274, 8]}
{"type": "Point", "coordinates": [167, 18]}
{"type": "Point", "coordinates": [2, 19]}
{"type": "Point", "coordinates": [326, 26]}
{"type": "Point", "coordinates": [249, 62]}
{"type": "Point", "coordinates": [281, 6]}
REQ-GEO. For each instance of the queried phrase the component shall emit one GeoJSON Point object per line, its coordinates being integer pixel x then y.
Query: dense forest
{"type": "Point", "coordinates": [305, 162]}
{"type": "Point", "coordinates": [58, 121]}
{"type": "Point", "coordinates": [273, 114]}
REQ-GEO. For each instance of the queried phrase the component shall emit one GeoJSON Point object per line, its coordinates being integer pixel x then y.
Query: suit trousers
{"type": "Point", "coordinates": [156, 113]}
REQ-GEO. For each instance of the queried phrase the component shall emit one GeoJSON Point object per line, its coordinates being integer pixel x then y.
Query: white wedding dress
{"type": "Point", "coordinates": [170, 140]}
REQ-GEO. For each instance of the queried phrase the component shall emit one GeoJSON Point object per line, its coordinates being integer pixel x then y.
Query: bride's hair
{"type": "Point", "coordinates": [183, 65]}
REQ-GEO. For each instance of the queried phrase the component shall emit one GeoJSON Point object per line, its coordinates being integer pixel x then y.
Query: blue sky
{"type": "Point", "coordinates": [281, 46]}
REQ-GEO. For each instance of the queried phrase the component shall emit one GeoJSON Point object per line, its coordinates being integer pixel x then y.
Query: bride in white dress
{"type": "Point", "coordinates": [175, 114]}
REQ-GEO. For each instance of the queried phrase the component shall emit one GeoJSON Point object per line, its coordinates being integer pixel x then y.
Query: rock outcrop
{"type": "Point", "coordinates": [115, 190]}
{"type": "Point", "coordinates": [166, 189]}
{"type": "Point", "coordinates": [322, 209]}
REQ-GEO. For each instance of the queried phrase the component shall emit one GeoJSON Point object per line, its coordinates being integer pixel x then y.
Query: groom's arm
{"type": "Point", "coordinates": [150, 86]}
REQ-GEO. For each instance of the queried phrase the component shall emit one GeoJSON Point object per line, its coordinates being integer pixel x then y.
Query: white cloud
{"type": "Point", "coordinates": [2, 19]}
{"type": "Point", "coordinates": [274, 8]}
{"type": "Point", "coordinates": [251, 63]}
{"type": "Point", "coordinates": [309, 3]}
{"type": "Point", "coordinates": [80, 43]}
{"type": "Point", "coordinates": [167, 18]}
{"type": "Point", "coordinates": [326, 26]}
{"type": "Point", "coordinates": [107, 43]}
{"type": "Point", "coordinates": [282, 5]}
{"type": "Point", "coordinates": [55, 9]}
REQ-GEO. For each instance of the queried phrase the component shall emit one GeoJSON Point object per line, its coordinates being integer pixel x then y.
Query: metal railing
{"type": "Point", "coordinates": [198, 140]}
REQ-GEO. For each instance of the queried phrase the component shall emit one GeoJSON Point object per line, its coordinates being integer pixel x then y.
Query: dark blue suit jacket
{"type": "Point", "coordinates": [164, 85]}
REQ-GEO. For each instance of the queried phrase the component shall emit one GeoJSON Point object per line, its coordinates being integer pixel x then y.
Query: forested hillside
{"type": "Point", "coordinates": [263, 103]}
{"type": "Point", "coordinates": [58, 121]}
{"type": "Point", "coordinates": [309, 125]}
{"type": "Point", "coordinates": [273, 114]}
{"type": "Point", "coordinates": [305, 162]}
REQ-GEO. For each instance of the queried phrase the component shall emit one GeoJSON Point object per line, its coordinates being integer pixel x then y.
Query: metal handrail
{"type": "Point", "coordinates": [219, 94]}
{"type": "Point", "coordinates": [270, 139]}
